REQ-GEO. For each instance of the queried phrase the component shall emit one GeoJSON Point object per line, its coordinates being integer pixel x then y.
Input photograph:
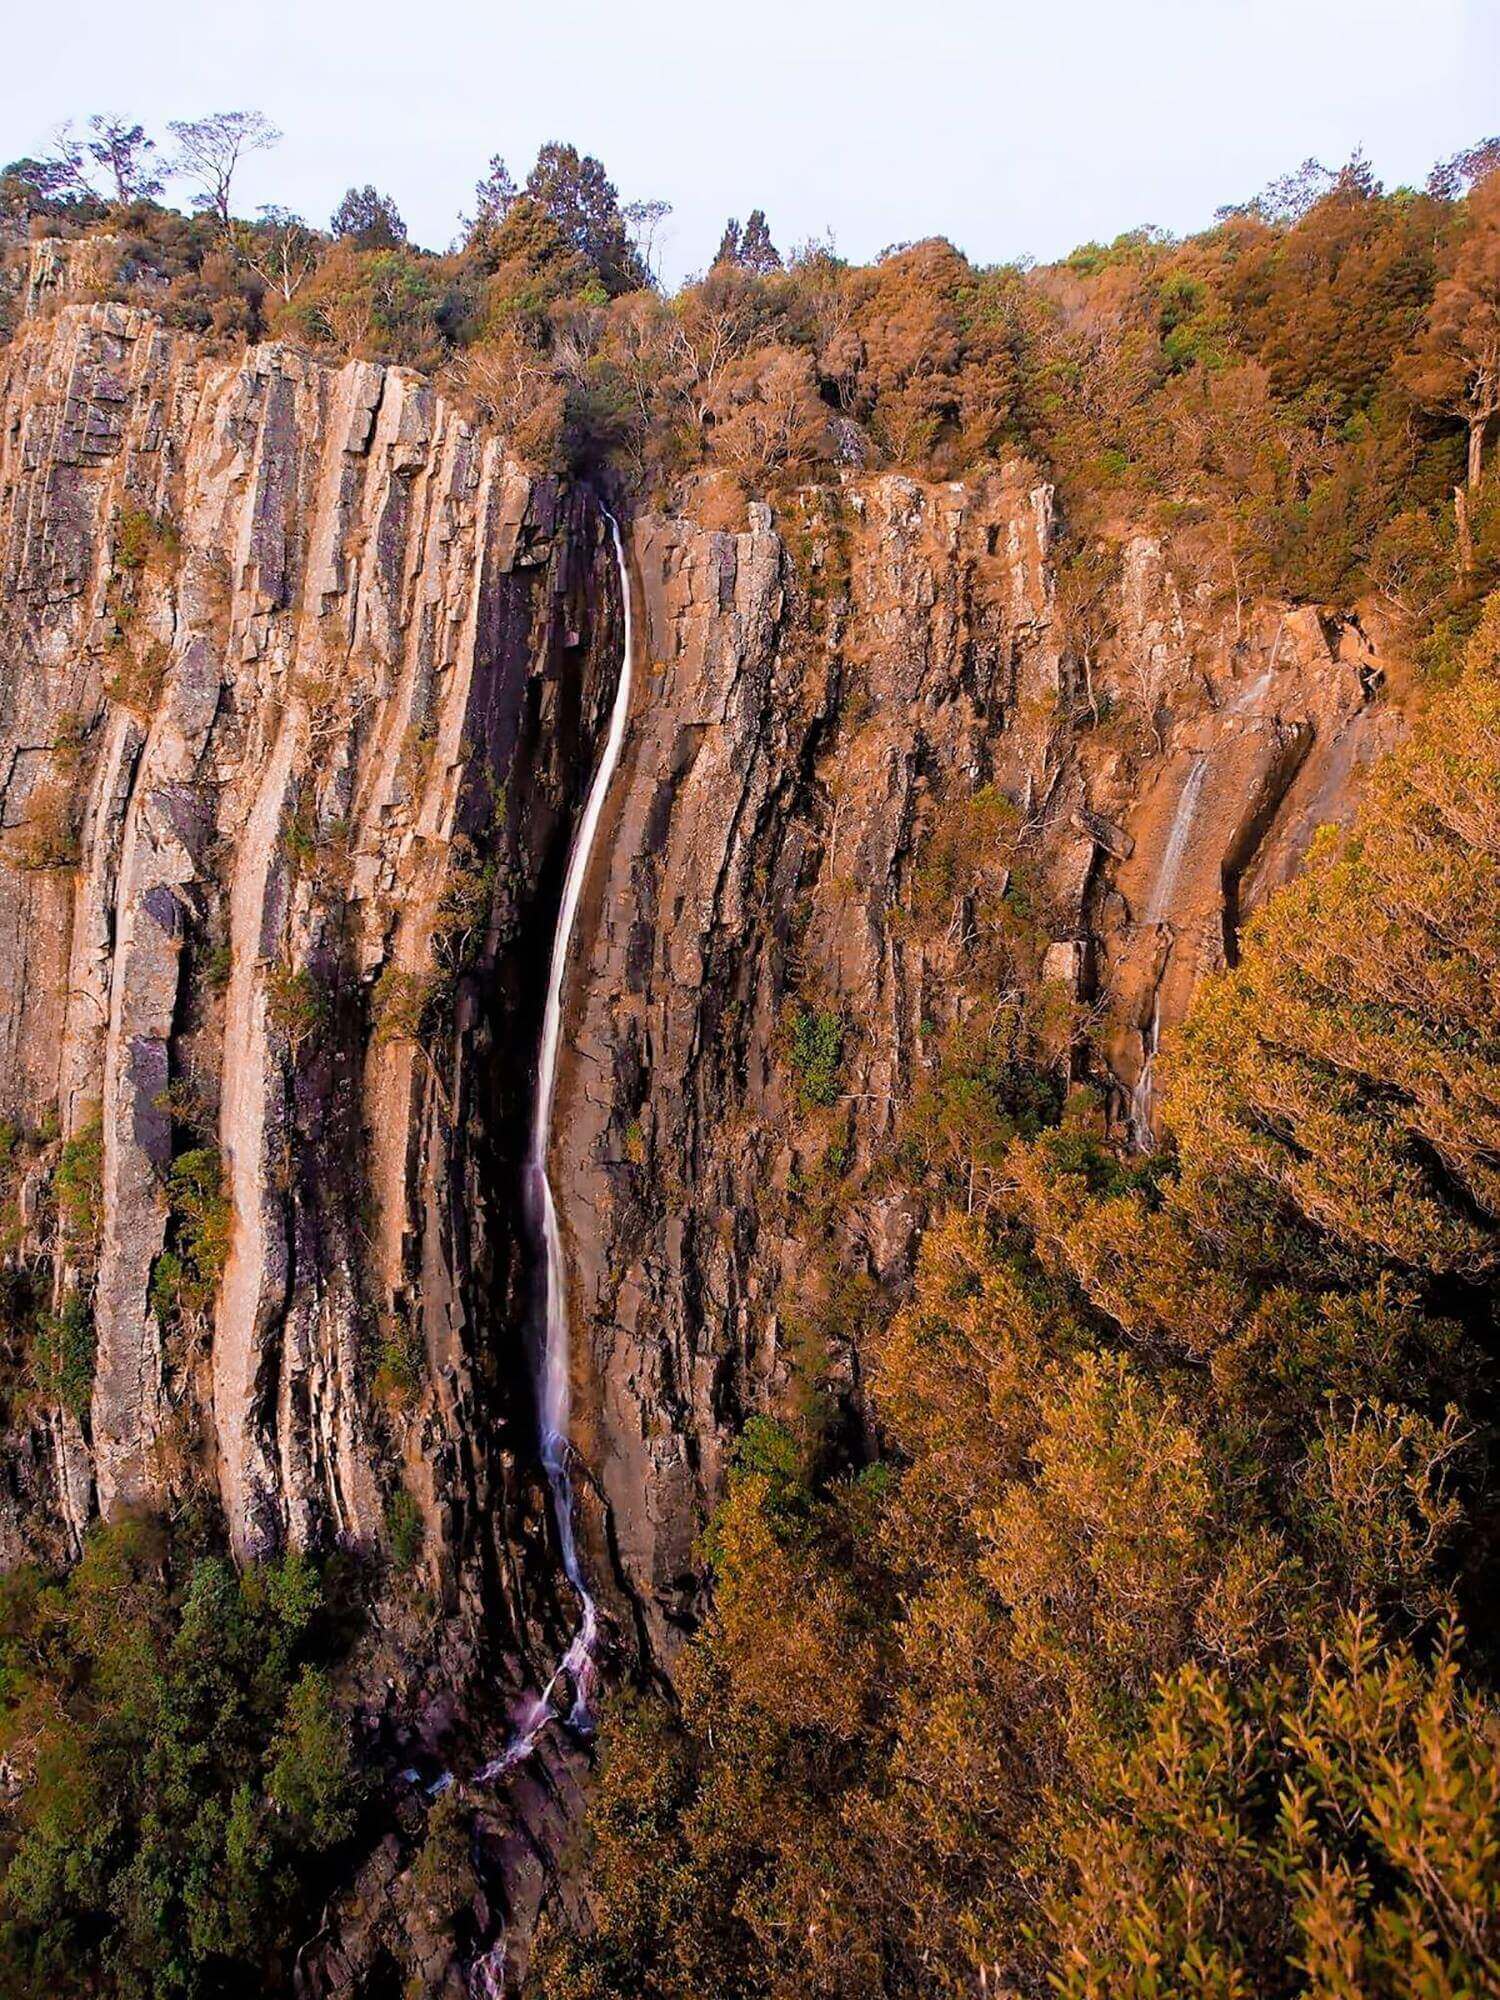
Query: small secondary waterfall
{"type": "Point", "coordinates": [553, 1384]}
{"type": "Point", "coordinates": [1141, 1134]}
{"type": "Point", "coordinates": [1177, 840]}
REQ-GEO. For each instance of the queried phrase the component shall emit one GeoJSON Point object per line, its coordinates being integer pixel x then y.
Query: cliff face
{"type": "Point", "coordinates": [300, 685]}
{"type": "Point", "coordinates": [299, 679]}
{"type": "Point", "coordinates": [819, 699]}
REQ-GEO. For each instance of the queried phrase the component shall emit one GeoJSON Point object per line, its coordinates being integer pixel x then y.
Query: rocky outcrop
{"type": "Point", "coordinates": [300, 682]}
{"type": "Point", "coordinates": [299, 678]}
{"type": "Point", "coordinates": [821, 689]}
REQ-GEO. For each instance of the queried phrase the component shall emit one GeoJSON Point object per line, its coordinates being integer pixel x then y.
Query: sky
{"type": "Point", "coordinates": [1013, 129]}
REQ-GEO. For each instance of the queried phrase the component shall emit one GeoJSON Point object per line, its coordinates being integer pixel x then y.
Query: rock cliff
{"type": "Point", "coordinates": [300, 681]}
{"type": "Point", "coordinates": [300, 678]}
{"type": "Point", "coordinates": [821, 693]}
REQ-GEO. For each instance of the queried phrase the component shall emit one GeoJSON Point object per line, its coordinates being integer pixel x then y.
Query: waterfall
{"type": "Point", "coordinates": [1177, 840]}
{"type": "Point", "coordinates": [1141, 1134]}
{"type": "Point", "coordinates": [552, 1358]}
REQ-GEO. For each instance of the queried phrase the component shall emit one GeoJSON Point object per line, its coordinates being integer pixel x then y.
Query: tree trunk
{"type": "Point", "coordinates": [1465, 532]}
{"type": "Point", "coordinates": [1476, 451]}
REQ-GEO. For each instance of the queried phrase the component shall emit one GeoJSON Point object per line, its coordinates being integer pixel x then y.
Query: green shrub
{"type": "Point", "coordinates": [78, 1185]}
{"type": "Point", "coordinates": [185, 1278]}
{"type": "Point", "coordinates": [400, 1004]}
{"type": "Point", "coordinates": [62, 1354]}
{"type": "Point", "coordinates": [817, 1056]}
{"type": "Point", "coordinates": [139, 535]}
{"type": "Point", "coordinates": [405, 1530]}
{"type": "Point", "coordinates": [297, 1002]}
{"type": "Point", "coordinates": [181, 1765]}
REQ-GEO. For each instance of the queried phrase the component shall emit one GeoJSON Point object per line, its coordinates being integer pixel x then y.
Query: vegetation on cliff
{"type": "Point", "coordinates": [1135, 1661]}
{"type": "Point", "coordinates": [1300, 398]}
{"type": "Point", "coordinates": [178, 1770]}
{"type": "Point", "coordinates": [1116, 1643]}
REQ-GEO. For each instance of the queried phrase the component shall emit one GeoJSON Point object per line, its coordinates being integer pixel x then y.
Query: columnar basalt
{"type": "Point", "coordinates": [275, 636]}
{"type": "Point", "coordinates": [821, 683]}
{"type": "Point", "coordinates": [301, 685]}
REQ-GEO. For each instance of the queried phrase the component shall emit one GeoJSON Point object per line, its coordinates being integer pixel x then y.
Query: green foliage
{"type": "Point", "coordinates": [62, 1354]}
{"type": "Point", "coordinates": [817, 1055]}
{"type": "Point", "coordinates": [181, 1764]}
{"type": "Point", "coordinates": [140, 535]}
{"type": "Point", "coordinates": [464, 907]}
{"type": "Point", "coordinates": [400, 1364]}
{"type": "Point", "coordinates": [1274, 394]}
{"type": "Point", "coordinates": [442, 1876]}
{"type": "Point", "coordinates": [405, 1530]}
{"type": "Point", "coordinates": [1341, 1832]}
{"type": "Point", "coordinates": [298, 1003]}
{"type": "Point", "coordinates": [185, 1277]}
{"type": "Point", "coordinates": [400, 1004]}
{"type": "Point", "coordinates": [78, 1187]}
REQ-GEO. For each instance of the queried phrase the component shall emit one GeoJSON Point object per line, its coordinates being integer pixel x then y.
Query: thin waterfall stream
{"type": "Point", "coordinates": [552, 1358]}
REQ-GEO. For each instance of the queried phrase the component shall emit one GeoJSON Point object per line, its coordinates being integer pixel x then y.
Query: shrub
{"type": "Point", "coordinates": [405, 1530]}
{"type": "Point", "coordinates": [297, 1002]}
{"type": "Point", "coordinates": [179, 1764]}
{"type": "Point", "coordinates": [140, 535]}
{"type": "Point", "coordinates": [400, 1004]}
{"type": "Point", "coordinates": [186, 1276]}
{"type": "Point", "coordinates": [62, 1355]}
{"type": "Point", "coordinates": [78, 1185]}
{"type": "Point", "coordinates": [817, 1055]}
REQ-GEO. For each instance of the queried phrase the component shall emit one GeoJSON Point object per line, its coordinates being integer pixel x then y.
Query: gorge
{"type": "Point", "coordinates": [629, 1060]}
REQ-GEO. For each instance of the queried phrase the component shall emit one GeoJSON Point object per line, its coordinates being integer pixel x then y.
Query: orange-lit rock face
{"type": "Point", "coordinates": [301, 683]}
{"type": "Point", "coordinates": [272, 636]}
{"type": "Point", "coordinates": [823, 685]}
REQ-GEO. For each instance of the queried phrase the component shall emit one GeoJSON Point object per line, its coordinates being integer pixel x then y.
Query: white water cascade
{"type": "Point", "coordinates": [552, 1360]}
{"type": "Point", "coordinates": [1145, 1084]}
{"type": "Point", "coordinates": [1177, 840]}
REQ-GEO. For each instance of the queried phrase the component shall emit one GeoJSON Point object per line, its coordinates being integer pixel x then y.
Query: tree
{"type": "Point", "coordinates": [368, 219]}
{"type": "Point", "coordinates": [1455, 367]}
{"type": "Point", "coordinates": [124, 153]}
{"type": "Point", "coordinates": [643, 219]}
{"type": "Point", "coordinates": [282, 250]}
{"type": "Point", "coordinates": [494, 197]}
{"type": "Point", "coordinates": [39, 187]}
{"type": "Point", "coordinates": [209, 151]}
{"type": "Point", "coordinates": [757, 251]}
{"type": "Point", "coordinates": [1451, 178]}
{"type": "Point", "coordinates": [579, 196]}
{"type": "Point", "coordinates": [750, 247]}
{"type": "Point", "coordinates": [728, 251]}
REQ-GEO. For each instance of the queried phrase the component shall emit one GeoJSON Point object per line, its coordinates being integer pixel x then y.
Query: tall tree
{"type": "Point", "coordinates": [368, 219]}
{"type": "Point", "coordinates": [580, 197]}
{"type": "Point", "coordinates": [38, 187]}
{"type": "Point", "coordinates": [494, 197]}
{"type": "Point", "coordinates": [124, 155]}
{"type": "Point", "coordinates": [209, 151]}
{"type": "Point", "coordinates": [643, 219]}
{"type": "Point", "coordinates": [282, 250]}
{"type": "Point", "coordinates": [1455, 367]}
{"type": "Point", "coordinates": [728, 251]}
{"type": "Point", "coordinates": [757, 251]}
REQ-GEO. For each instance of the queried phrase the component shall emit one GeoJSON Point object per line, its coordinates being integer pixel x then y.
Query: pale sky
{"type": "Point", "coordinates": [1011, 128]}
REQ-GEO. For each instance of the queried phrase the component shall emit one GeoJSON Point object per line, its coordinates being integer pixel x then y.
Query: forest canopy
{"type": "Point", "coordinates": [1301, 397]}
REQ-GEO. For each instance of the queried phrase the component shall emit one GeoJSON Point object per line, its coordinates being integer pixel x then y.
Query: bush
{"type": "Point", "coordinates": [78, 1185]}
{"type": "Point", "coordinates": [62, 1355]}
{"type": "Point", "coordinates": [400, 1003]}
{"type": "Point", "coordinates": [405, 1531]}
{"type": "Point", "coordinates": [817, 1056]}
{"type": "Point", "coordinates": [179, 1764]}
